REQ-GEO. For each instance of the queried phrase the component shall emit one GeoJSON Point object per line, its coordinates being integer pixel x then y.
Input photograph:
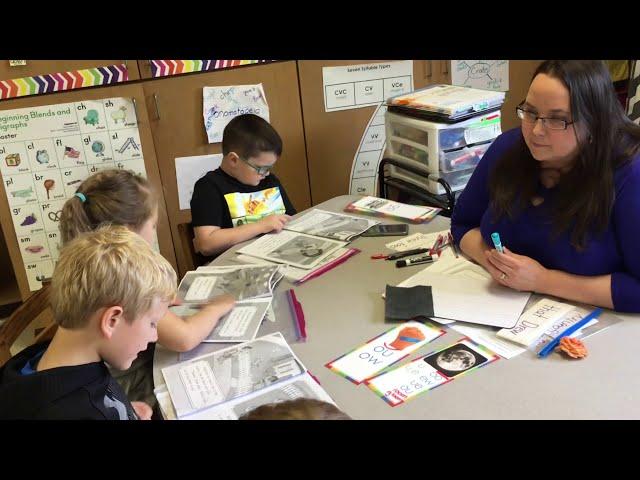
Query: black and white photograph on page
{"type": "Point", "coordinates": [252, 366]}
{"type": "Point", "coordinates": [243, 283]}
{"type": "Point", "coordinates": [301, 250]}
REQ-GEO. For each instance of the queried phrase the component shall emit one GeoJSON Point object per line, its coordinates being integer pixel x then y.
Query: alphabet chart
{"type": "Point", "coordinates": [386, 349]}
{"type": "Point", "coordinates": [46, 152]}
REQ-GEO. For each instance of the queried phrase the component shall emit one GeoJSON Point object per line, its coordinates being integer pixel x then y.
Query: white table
{"type": "Point", "coordinates": [343, 309]}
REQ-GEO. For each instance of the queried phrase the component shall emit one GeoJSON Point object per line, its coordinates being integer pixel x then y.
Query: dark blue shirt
{"type": "Point", "coordinates": [614, 252]}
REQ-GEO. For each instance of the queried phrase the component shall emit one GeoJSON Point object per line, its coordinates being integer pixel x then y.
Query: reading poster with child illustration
{"type": "Point", "coordinates": [252, 207]}
{"type": "Point", "coordinates": [46, 152]}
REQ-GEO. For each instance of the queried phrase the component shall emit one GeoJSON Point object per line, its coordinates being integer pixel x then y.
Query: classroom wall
{"type": "Point", "coordinates": [319, 147]}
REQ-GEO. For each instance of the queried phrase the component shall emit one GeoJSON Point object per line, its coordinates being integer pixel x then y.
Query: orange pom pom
{"type": "Point", "coordinates": [573, 347]}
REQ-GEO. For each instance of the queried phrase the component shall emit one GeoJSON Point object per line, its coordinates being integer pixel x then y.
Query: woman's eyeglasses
{"type": "Point", "coordinates": [548, 122]}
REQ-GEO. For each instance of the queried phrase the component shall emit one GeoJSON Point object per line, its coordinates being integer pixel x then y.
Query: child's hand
{"type": "Point", "coordinates": [274, 223]}
{"type": "Point", "coordinates": [143, 410]}
{"type": "Point", "coordinates": [221, 305]}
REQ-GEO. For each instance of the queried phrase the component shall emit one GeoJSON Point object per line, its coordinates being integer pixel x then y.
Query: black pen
{"type": "Point", "coordinates": [414, 261]}
{"type": "Point", "coordinates": [408, 253]}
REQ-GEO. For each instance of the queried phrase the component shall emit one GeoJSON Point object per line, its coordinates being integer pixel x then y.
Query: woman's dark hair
{"type": "Point", "coordinates": [606, 137]}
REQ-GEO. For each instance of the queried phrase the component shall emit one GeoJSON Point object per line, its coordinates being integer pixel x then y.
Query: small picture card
{"type": "Point", "coordinates": [417, 240]}
{"type": "Point", "coordinates": [430, 371]}
{"type": "Point", "coordinates": [403, 383]}
{"type": "Point", "coordinates": [386, 349]}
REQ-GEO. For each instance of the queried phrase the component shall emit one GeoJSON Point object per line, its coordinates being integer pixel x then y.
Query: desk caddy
{"type": "Point", "coordinates": [444, 132]}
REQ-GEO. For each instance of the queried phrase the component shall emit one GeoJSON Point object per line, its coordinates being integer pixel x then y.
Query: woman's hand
{"type": "Point", "coordinates": [515, 271]}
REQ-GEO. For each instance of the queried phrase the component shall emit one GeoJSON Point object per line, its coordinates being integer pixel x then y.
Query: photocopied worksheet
{"type": "Point", "coordinates": [230, 373]}
{"type": "Point", "coordinates": [239, 325]}
{"type": "Point", "coordinates": [242, 281]}
{"type": "Point", "coordinates": [330, 225]}
{"type": "Point", "coordinates": [293, 248]}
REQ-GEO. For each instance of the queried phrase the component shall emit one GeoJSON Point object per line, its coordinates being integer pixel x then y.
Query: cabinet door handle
{"type": "Point", "coordinates": [155, 100]}
{"type": "Point", "coordinates": [428, 73]}
{"type": "Point", "coordinates": [444, 67]}
{"type": "Point", "coordinates": [135, 109]}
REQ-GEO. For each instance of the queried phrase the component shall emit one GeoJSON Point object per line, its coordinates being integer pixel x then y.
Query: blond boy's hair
{"type": "Point", "coordinates": [109, 266]}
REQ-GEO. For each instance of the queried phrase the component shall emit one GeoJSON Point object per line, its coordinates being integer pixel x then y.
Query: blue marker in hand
{"type": "Point", "coordinates": [495, 237]}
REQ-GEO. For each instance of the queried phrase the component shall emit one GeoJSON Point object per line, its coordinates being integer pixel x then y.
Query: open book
{"type": "Point", "coordinates": [239, 325]}
{"type": "Point", "coordinates": [301, 275]}
{"type": "Point", "coordinates": [337, 226]}
{"type": "Point", "coordinates": [242, 281]}
{"type": "Point", "coordinates": [297, 249]}
{"type": "Point", "coordinates": [307, 241]}
{"type": "Point", "coordinates": [388, 208]}
{"type": "Point", "coordinates": [251, 285]}
{"type": "Point", "coordinates": [230, 382]}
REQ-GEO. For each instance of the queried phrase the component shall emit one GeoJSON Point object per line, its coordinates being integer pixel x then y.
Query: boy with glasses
{"type": "Point", "coordinates": [242, 199]}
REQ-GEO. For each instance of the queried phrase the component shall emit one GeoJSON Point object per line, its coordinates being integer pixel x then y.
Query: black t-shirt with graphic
{"type": "Point", "coordinates": [220, 200]}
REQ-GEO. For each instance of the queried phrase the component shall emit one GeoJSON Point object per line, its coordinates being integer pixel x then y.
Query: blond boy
{"type": "Point", "coordinates": [108, 292]}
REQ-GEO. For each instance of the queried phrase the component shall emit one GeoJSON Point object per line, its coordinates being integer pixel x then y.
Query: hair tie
{"type": "Point", "coordinates": [81, 197]}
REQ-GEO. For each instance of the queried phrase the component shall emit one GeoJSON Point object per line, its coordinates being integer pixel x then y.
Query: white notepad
{"type": "Point", "coordinates": [471, 298]}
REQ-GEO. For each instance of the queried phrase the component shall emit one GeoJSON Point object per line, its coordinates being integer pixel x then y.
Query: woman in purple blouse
{"type": "Point", "coordinates": [563, 192]}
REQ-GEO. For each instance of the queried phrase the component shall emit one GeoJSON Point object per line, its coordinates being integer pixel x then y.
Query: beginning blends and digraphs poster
{"type": "Point", "coordinates": [46, 152]}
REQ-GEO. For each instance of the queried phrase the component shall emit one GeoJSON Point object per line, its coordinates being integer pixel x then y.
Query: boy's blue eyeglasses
{"type": "Point", "coordinates": [260, 170]}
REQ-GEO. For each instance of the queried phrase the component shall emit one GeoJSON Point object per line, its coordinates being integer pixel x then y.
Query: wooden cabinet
{"type": "Point", "coordinates": [9, 292]}
{"type": "Point", "coordinates": [148, 153]}
{"type": "Point", "coordinates": [319, 147]}
{"type": "Point", "coordinates": [43, 67]}
{"type": "Point", "coordinates": [175, 108]}
{"type": "Point", "coordinates": [144, 67]}
{"type": "Point", "coordinates": [520, 73]}
{"type": "Point", "coordinates": [333, 138]}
